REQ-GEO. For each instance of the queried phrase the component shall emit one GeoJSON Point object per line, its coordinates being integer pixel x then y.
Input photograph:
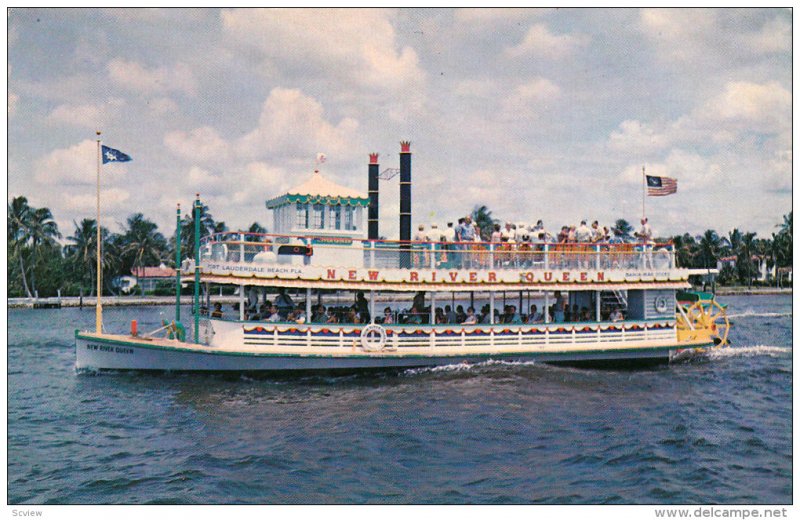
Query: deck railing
{"type": "Point", "coordinates": [390, 254]}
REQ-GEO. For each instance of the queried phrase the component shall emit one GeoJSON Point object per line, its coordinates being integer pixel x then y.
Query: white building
{"type": "Point", "coordinates": [326, 211]}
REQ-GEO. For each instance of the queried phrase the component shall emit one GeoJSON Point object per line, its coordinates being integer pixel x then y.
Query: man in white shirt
{"type": "Point", "coordinates": [583, 233]}
{"type": "Point", "coordinates": [645, 234]}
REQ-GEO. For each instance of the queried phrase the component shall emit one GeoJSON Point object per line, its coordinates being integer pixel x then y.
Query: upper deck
{"type": "Point", "coordinates": [337, 262]}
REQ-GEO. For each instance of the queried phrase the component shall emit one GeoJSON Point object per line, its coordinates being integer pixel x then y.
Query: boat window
{"type": "Point", "coordinates": [336, 217]}
{"type": "Point", "coordinates": [302, 215]}
{"type": "Point", "coordinates": [319, 217]}
{"type": "Point", "coordinates": [348, 218]}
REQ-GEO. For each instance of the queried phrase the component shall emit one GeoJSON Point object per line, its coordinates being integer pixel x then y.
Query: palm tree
{"type": "Point", "coordinates": [482, 217]}
{"type": "Point", "coordinates": [709, 248]}
{"type": "Point", "coordinates": [685, 249]}
{"type": "Point", "coordinates": [19, 222]}
{"type": "Point", "coordinates": [207, 227]}
{"type": "Point", "coordinates": [746, 255]}
{"type": "Point", "coordinates": [142, 243]}
{"type": "Point", "coordinates": [43, 231]}
{"type": "Point", "coordinates": [786, 226]}
{"type": "Point", "coordinates": [734, 241]}
{"type": "Point", "coordinates": [255, 227]}
{"type": "Point", "coordinates": [623, 229]}
{"type": "Point", "coordinates": [83, 252]}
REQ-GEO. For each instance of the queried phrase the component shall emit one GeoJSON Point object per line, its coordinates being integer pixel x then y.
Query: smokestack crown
{"type": "Point", "coordinates": [405, 146]}
{"type": "Point", "coordinates": [373, 158]}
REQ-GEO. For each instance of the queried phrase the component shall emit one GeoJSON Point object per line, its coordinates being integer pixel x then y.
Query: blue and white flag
{"type": "Point", "coordinates": [111, 155]}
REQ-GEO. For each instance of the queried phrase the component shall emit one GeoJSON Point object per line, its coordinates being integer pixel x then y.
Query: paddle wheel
{"type": "Point", "coordinates": [700, 316]}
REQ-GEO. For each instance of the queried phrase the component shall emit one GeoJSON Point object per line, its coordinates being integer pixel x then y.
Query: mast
{"type": "Point", "coordinates": [98, 315]}
{"type": "Point", "coordinates": [197, 269]}
{"type": "Point", "coordinates": [178, 264]}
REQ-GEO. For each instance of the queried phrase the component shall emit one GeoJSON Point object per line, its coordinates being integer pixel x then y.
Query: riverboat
{"type": "Point", "coordinates": [596, 303]}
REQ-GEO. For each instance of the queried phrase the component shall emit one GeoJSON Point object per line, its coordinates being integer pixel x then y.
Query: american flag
{"type": "Point", "coordinates": [661, 186]}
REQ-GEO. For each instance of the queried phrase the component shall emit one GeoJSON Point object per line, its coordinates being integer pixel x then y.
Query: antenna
{"type": "Point", "coordinates": [389, 173]}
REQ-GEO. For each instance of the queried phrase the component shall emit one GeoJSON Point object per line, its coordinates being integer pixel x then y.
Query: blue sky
{"type": "Point", "coordinates": [536, 113]}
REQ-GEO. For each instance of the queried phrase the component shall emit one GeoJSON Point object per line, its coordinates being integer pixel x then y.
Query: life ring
{"type": "Point", "coordinates": [373, 338]}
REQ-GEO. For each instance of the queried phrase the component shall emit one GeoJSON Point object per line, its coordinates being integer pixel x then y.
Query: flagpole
{"type": "Point", "coordinates": [99, 306]}
{"type": "Point", "coordinates": [644, 183]}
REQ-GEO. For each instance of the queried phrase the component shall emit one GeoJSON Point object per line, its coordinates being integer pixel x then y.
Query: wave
{"type": "Point", "coordinates": [748, 351]}
{"type": "Point", "coordinates": [460, 367]}
{"type": "Point", "coordinates": [747, 314]}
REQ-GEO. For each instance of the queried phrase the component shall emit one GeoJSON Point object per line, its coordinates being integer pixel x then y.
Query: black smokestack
{"type": "Point", "coordinates": [372, 216]}
{"type": "Point", "coordinates": [405, 199]}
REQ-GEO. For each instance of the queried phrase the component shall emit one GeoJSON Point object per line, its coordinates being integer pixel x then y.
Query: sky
{"type": "Point", "coordinates": [537, 114]}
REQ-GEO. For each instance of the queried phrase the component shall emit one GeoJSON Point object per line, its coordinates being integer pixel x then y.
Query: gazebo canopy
{"type": "Point", "coordinates": [320, 190]}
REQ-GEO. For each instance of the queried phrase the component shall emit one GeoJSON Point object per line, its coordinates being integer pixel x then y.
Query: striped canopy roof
{"type": "Point", "coordinates": [320, 190]}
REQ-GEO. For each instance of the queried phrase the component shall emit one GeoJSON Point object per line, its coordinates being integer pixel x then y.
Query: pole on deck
{"type": "Point", "coordinates": [178, 265]}
{"type": "Point", "coordinates": [197, 269]}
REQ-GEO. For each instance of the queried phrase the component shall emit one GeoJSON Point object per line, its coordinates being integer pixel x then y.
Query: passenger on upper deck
{"type": "Point", "coordinates": [496, 235]}
{"type": "Point", "coordinates": [583, 233]}
{"type": "Point", "coordinates": [645, 234]}
{"type": "Point", "coordinates": [217, 312]}
{"type": "Point", "coordinates": [388, 317]}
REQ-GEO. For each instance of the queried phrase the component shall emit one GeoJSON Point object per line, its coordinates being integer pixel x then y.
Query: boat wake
{"type": "Point", "coordinates": [461, 367]}
{"type": "Point", "coordinates": [748, 314]}
{"type": "Point", "coordinates": [749, 351]}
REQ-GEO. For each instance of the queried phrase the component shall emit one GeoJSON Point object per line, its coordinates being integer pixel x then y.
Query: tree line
{"type": "Point", "coordinates": [41, 261]}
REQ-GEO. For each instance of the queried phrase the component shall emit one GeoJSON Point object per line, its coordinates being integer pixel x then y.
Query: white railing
{"type": "Point", "coordinates": [266, 248]}
{"type": "Point", "coordinates": [497, 336]}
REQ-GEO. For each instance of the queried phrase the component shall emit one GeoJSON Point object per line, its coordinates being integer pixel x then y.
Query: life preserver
{"type": "Point", "coordinates": [373, 338]}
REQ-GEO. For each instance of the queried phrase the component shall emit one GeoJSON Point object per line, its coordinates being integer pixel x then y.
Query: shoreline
{"type": "Point", "coordinates": [134, 301]}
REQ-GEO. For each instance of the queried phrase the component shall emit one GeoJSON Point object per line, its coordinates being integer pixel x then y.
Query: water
{"type": "Point", "coordinates": [713, 431]}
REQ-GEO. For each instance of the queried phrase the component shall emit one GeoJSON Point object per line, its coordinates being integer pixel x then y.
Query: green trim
{"type": "Point", "coordinates": [78, 335]}
{"type": "Point", "coordinates": [329, 200]}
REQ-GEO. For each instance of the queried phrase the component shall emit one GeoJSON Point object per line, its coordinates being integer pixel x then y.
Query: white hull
{"type": "Point", "coordinates": [117, 352]}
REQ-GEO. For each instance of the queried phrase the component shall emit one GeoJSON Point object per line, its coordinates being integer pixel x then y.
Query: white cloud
{"type": "Point", "coordinates": [74, 166]}
{"type": "Point", "coordinates": [747, 106]}
{"type": "Point", "coordinates": [136, 77]}
{"type": "Point", "coordinates": [541, 43]}
{"type": "Point", "coordinates": [637, 137]}
{"type": "Point", "coordinates": [292, 123]}
{"type": "Point", "coordinates": [714, 36]}
{"type": "Point", "coordinates": [201, 145]}
{"type": "Point", "coordinates": [162, 106]}
{"type": "Point", "coordinates": [351, 46]}
{"type": "Point", "coordinates": [86, 203]}
{"type": "Point", "coordinates": [483, 16]}
{"type": "Point", "coordinates": [87, 115]}
{"type": "Point", "coordinates": [530, 98]}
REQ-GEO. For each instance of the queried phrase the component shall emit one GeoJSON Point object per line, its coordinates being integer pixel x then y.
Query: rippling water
{"type": "Point", "coordinates": [711, 431]}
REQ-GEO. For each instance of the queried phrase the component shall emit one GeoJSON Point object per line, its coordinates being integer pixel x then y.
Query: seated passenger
{"type": "Point", "coordinates": [274, 316]}
{"type": "Point", "coordinates": [414, 316]}
{"type": "Point", "coordinates": [460, 314]}
{"type": "Point", "coordinates": [217, 312]}
{"type": "Point", "coordinates": [616, 315]}
{"type": "Point", "coordinates": [535, 316]}
{"type": "Point", "coordinates": [471, 319]}
{"type": "Point", "coordinates": [388, 318]}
